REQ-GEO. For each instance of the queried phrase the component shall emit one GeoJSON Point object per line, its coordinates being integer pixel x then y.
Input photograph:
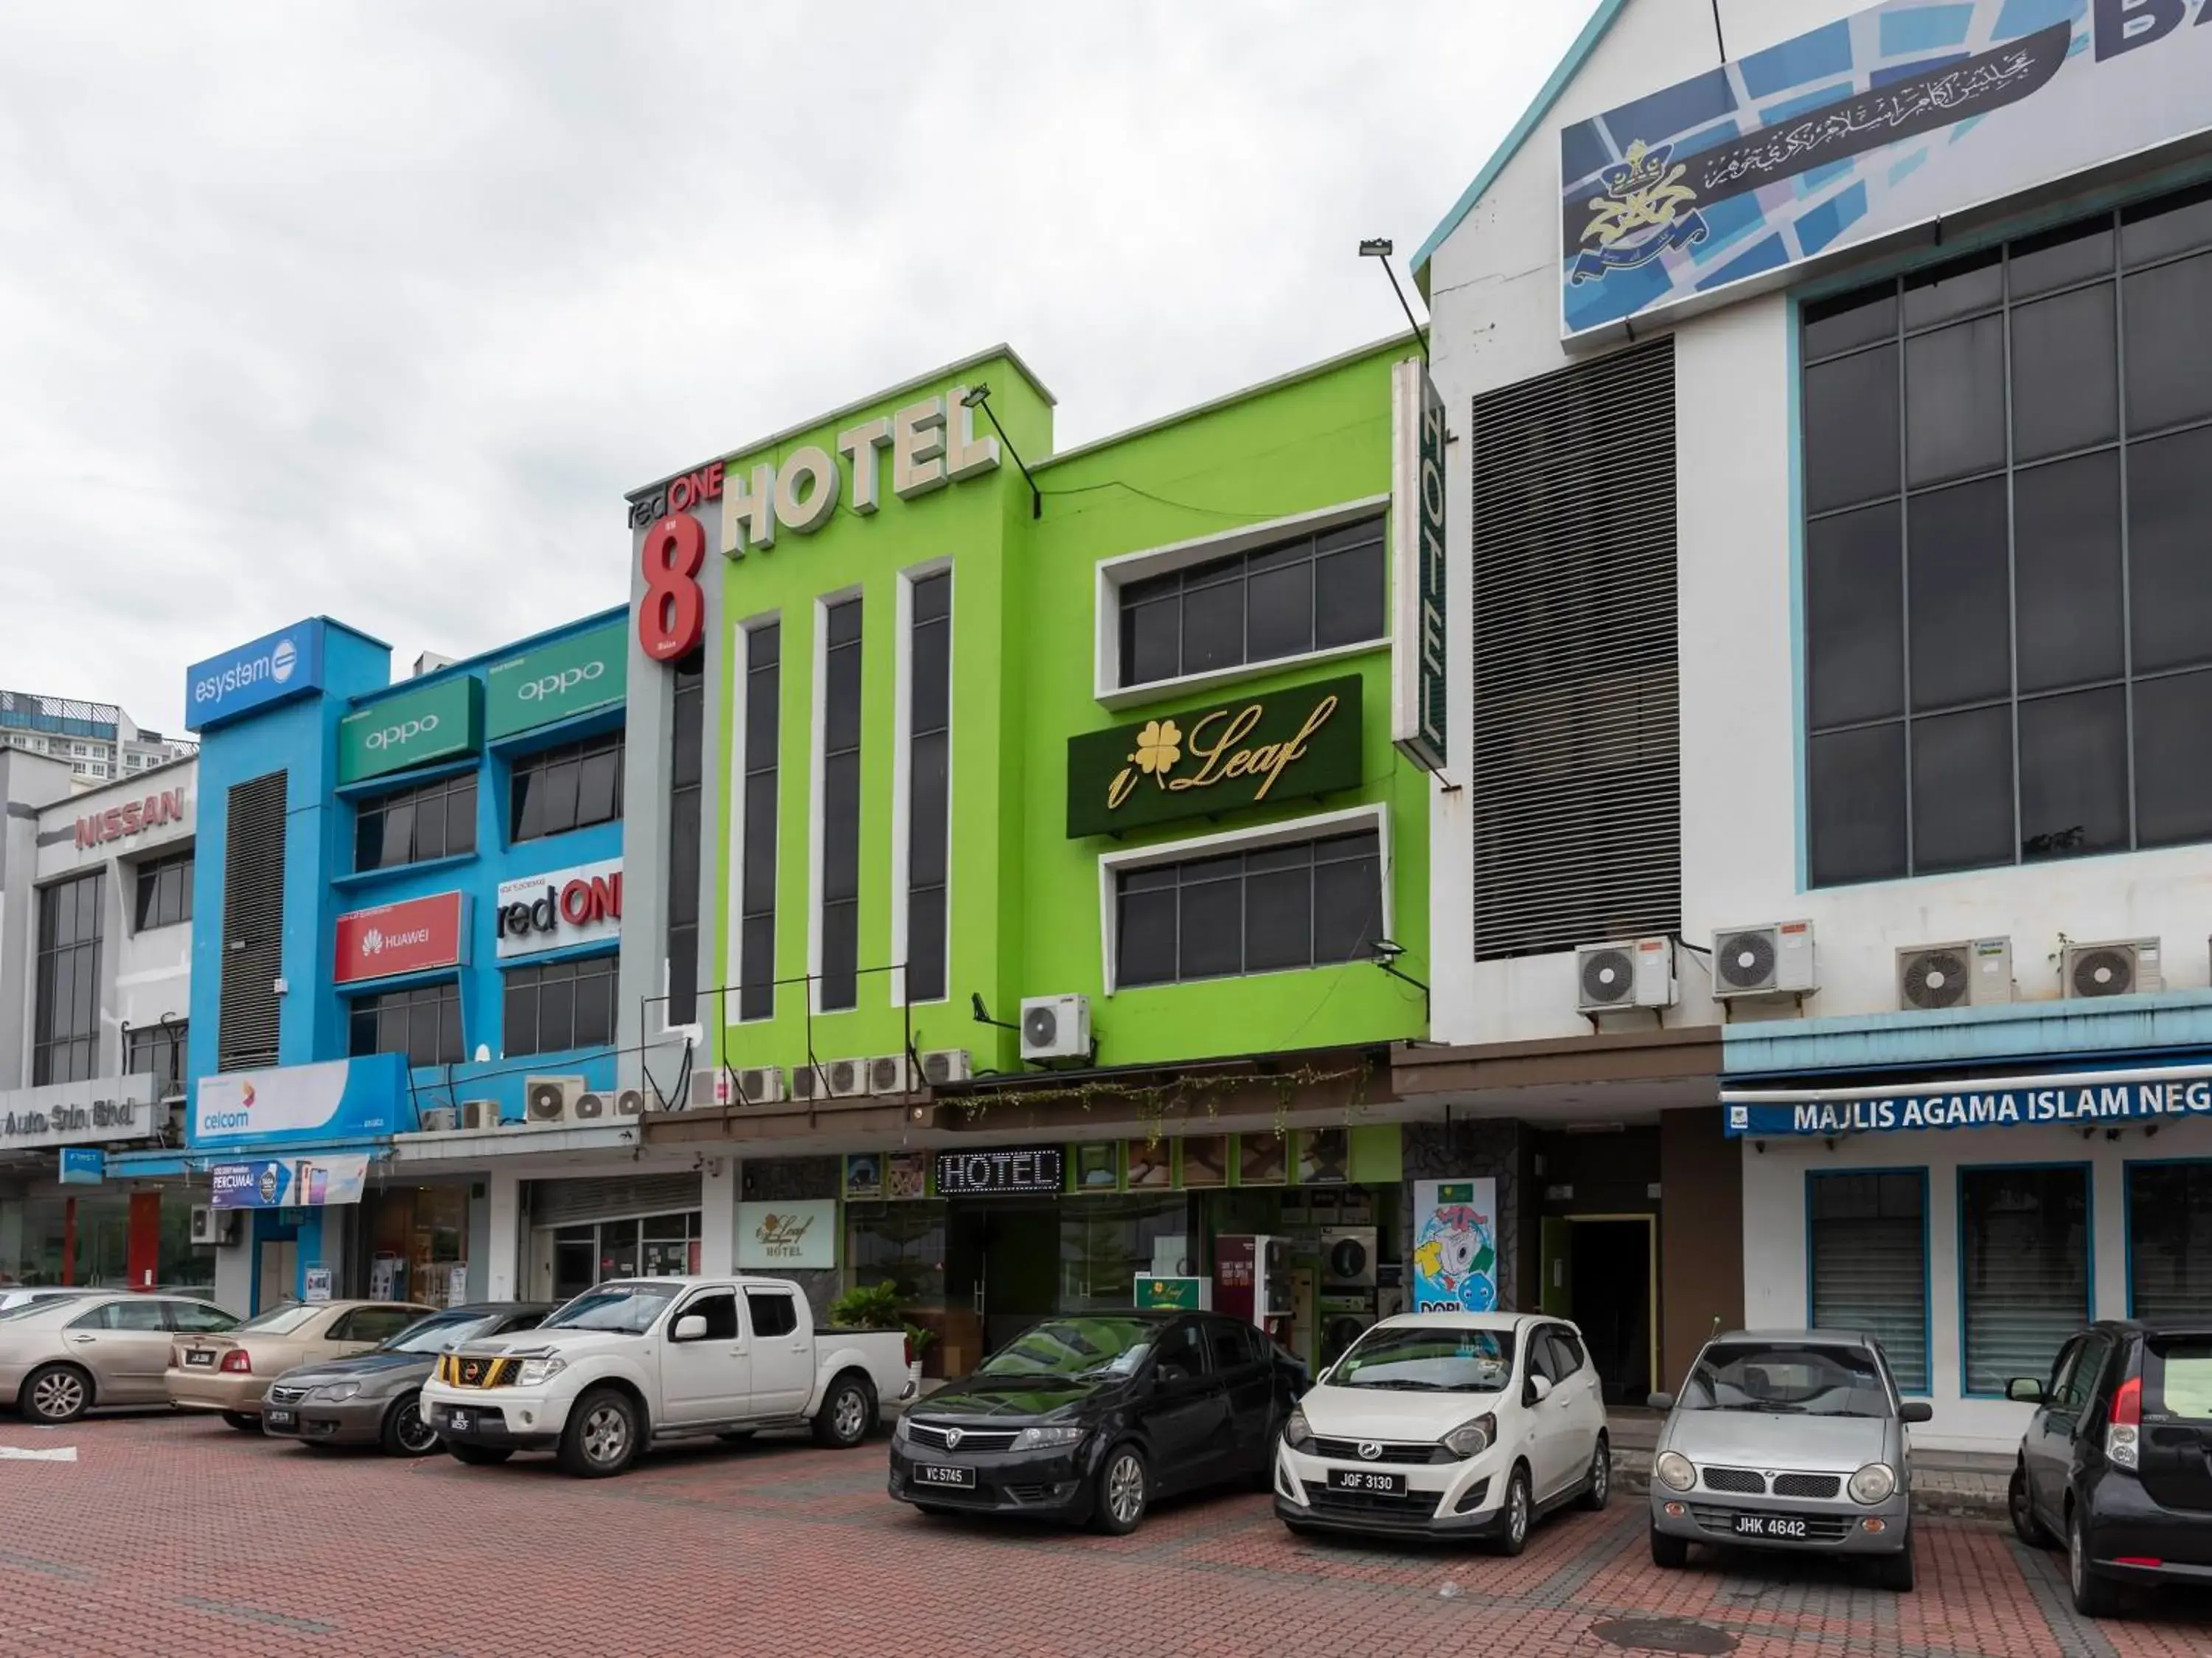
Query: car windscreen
{"type": "Point", "coordinates": [442, 1332]}
{"type": "Point", "coordinates": [627, 1309]}
{"type": "Point", "coordinates": [2176, 1373]}
{"type": "Point", "coordinates": [1412, 1359]}
{"type": "Point", "coordinates": [1074, 1347]}
{"type": "Point", "coordinates": [1786, 1379]}
{"type": "Point", "coordinates": [278, 1321]}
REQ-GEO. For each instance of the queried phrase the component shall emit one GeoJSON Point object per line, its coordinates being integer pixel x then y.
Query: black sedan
{"type": "Point", "coordinates": [1090, 1418]}
{"type": "Point", "coordinates": [2117, 1464]}
{"type": "Point", "coordinates": [373, 1398]}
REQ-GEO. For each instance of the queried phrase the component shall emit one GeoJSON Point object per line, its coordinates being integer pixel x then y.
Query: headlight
{"type": "Point", "coordinates": [337, 1393]}
{"type": "Point", "coordinates": [1472, 1438]}
{"type": "Point", "coordinates": [1675, 1470]}
{"type": "Point", "coordinates": [899, 1431]}
{"type": "Point", "coordinates": [538, 1371]}
{"type": "Point", "coordinates": [1045, 1439]}
{"type": "Point", "coordinates": [1873, 1484]}
{"type": "Point", "coordinates": [1298, 1433]}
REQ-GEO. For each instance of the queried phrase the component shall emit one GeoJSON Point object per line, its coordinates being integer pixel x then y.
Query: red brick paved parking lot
{"type": "Point", "coordinates": [174, 1535]}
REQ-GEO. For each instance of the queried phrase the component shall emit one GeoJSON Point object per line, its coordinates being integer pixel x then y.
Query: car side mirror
{"type": "Point", "coordinates": [1916, 1410]}
{"type": "Point", "coordinates": [692, 1326]}
{"type": "Point", "coordinates": [1660, 1402]}
{"type": "Point", "coordinates": [1539, 1390]}
{"type": "Point", "coordinates": [2028, 1390]}
{"type": "Point", "coordinates": [1169, 1372]}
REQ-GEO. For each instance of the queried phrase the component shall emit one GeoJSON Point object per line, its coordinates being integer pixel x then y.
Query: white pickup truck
{"type": "Point", "coordinates": [636, 1361]}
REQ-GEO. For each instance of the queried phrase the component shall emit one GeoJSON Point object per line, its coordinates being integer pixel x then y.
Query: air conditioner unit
{"type": "Point", "coordinates": [1759, 961]}
{"type": "Point", "coordinates": [1056, 1027]}
{"type": "Point", "coordinates": [2125, 967]}
{"type": "Point", "coordinates": [550, 1098]}
{"type": "Point", "coordinates": [439, 1120]}
{"type": "Point", "coordinates": [479, 1114]}
{"type": "Point", "coordinates": [710, 1087]}
{"type": "Point", "coordinates": [1975, 972]}
{"type": "Point", "coordinates": [829, 1079]}
{"type": "Point", "coordinates": [213, 1226]}
{"type": "Point", "coordinates": [758, 1085]}
{"type": "Point", "coordinates": [1638, 973]}
{"type": "Point", "coordinates": [943, 1065]}
{"type": "Point", "coordinates": [588, 1106]}
{"type": "Point", "coordinates": [630, 1102]}
{"type": "Point", "coordinates": [891, 1073]}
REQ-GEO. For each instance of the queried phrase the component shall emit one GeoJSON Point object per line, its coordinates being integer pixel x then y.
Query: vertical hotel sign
{"type": "Point", "coordinates": [1417, 652]}
{"type": "Point", "coordinates": [1880, 122]}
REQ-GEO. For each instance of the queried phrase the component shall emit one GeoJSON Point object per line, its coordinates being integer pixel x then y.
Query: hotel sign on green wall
{"type": "Point", "coordinates": [1246, 751]}
{"type": "Point", "coordinates": [441, 722]}
{"type": "Point", "coordinates": [558, 681]}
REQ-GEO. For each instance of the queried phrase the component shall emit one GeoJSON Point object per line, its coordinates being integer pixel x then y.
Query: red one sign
{"type": "Point", "coordinates": [409, 938]}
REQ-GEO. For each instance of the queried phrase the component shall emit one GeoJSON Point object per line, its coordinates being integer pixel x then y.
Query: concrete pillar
{"type": "Point", "coordinates": [504, 1278]}
{"type": "Point", "coordinates": [479, 1239]}
{"type": "Point", "coordinates": [718, 1221]}
{"type": "Point", "coordinates": [233, 1274]}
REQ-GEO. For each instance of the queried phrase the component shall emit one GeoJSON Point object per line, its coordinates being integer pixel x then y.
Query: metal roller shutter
{"type": "Point", "coordinates": [252, 923]}
{"type": "Point", "coordinates": [1575, 775]}
{"type": "Point", "coordinates": [2024, 1269]}
{"type": "Point", "coordinates": [1869, 1268]}
{"type": "Point", "coordinates": [572, 1203]}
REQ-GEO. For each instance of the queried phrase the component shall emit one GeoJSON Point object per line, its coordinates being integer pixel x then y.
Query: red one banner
{"type": "Point", "coordinates": [409, 938]}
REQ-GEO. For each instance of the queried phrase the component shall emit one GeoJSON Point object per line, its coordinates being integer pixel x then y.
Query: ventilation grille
{"type": "Point", "coordinates": [570, 1203]}
{"type": "Point", "coordinates": [1575, 774]}
{"type": "Point", "coordinates": [252, 924]}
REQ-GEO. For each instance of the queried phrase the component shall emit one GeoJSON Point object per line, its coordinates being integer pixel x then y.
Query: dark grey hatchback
{"type": "Point", "coordinates": [2117, 1464]}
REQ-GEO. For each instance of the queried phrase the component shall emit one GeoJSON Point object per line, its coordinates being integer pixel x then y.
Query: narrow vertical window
{"type": "Point", "coordinates": [684, 762]}
{"type": "Point", "coordinates": [929, 736]}
{"type": "Point", "coordinates": [841, 806]}
{"type": "Point", "coordinates": [756, 945]}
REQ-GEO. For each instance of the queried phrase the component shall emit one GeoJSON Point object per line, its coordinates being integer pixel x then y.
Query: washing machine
{"type": "Point", "coordinates": [1344, 1316]}
{"type": "Point", "coordinates": [1347, 1258]}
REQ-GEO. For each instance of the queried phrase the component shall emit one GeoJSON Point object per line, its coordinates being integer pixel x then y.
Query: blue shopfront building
{"type": "Point", "coordinates": [408, 904]}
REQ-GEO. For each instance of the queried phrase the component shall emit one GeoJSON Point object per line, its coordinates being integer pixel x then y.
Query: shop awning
{"type": "Point", "coordinates": [2077, 1099]}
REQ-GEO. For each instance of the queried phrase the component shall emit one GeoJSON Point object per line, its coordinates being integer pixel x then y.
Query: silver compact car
{"type": "Point", "coordinates": [1787, 1439]}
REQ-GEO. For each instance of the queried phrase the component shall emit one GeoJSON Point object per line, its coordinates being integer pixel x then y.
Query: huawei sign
{"type": "Point", "coordinates": [413, 937]}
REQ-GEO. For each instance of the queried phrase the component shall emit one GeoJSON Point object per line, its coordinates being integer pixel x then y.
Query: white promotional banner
{"type": "Point", "coordinates": [78, 1113]}
{"type": "Point", "coordinates": [290, 1100]}
{"type": "Point", "coordinates": [559, 909]}
{"type": "Point", "coordinates": [773, 1236]}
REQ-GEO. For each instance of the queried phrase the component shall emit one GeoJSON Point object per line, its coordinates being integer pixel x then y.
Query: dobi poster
{"type": "Point", "coordinates": [1454, 1246]}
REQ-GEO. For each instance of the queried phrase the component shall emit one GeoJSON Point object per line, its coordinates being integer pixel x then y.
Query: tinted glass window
{"type": "Point", "coordinates": [1301, 905]}
{"type": "Point", "coordinates": [560, 1006]}
{"type": "Point", "coordinates": [197, 1318]}
{"type": "Point", "coordinates": [840, 807]}
{"type": "Point", "coordinates": [569, 787]}
{"type": "Point", "coordinates": [424, 1024]}
{"type": "Point", "coordinates": [165, 892]}
{"type": "Point", "coordinates": [411, 825]}
{"type": "Point", "coordinates": [764, 689]}
{"type": "Point", "coordinates": [773, 1315]}
{"type": "Point", "coordinates": [929, 761]}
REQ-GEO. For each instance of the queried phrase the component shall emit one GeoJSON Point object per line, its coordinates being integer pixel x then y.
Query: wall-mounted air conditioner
{"type": "Point", "coordinates": [439, 1120]}
{"type": "Point", "coordinates": [550, 1098]}
{"type": "Point", "coordinates": [759, 1085]}
{"type": "Point", "coordinates": [1056, 1027]}
{"type": "Point", "coordinates": [943, 1065]}
{"type": "Point", "coordinates": [1637, 972]}
{"type": "Point", "coordinates": [213, 1226]}
{"type": "Point", "coordinates": [829, 1079]}
{"type": "Point", "coordinates": [479, 1114]}
{"type": "Point", "coordinates": [1974, 973]}
{"type": "Point", "coordinates": [630, 1102]}
{"type": "Point", "coordinates": [1775, 960]}
{"type": "Point", "coordinates": [2125, 967]}
{"type": "Point", "coordinates": [590, 1106]}
{"type": "Point", "coordinates": [890, 1073]}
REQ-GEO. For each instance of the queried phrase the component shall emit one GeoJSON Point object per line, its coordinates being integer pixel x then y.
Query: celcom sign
{"type": "Point", "coordinates": [441, 721]}
{"type": "Point", "coordinates": [1899, 115]}
{"type": "Point", "coordinates": [558, 681]}
{"type": "Point", "coordinates": [273, 667]}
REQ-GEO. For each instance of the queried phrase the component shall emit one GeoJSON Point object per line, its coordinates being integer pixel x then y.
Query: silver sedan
{"type": "Point", "coordinates": [59, 1358]}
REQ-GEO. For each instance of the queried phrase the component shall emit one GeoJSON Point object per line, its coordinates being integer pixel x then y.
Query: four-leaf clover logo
{"type": "Point", "coordinates": [1158, 748]}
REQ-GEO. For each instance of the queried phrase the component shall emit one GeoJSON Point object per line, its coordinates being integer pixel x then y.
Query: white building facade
{"type": "Point", "coordinates": [1831, 472]}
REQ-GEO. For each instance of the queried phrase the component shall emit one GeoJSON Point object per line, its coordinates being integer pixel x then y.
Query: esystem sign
{"type": "Point", "coordinates": [2074, 1100]}
{"type": "Point", "coordinates": [288, 663]}
{"type": "Point", "coordinates": [1885, 120]}
{"type": "Point", "coordinates": [415, 936]}
{"type": "Point", "coordinates": [558, 681]}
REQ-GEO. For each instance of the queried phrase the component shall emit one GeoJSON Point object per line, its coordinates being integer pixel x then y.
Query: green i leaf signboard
{"type": "Point", "coordinates": [1249, 751]}
{"type": "Point", "coordinates": [558, 681]}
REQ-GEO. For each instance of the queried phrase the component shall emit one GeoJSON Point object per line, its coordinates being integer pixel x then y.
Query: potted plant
{"type": "Point", "coordinates": [876, 1306]}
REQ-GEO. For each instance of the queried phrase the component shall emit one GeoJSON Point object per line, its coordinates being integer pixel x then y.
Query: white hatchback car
{"type": "Point", "coordinates": [1448, 1425]}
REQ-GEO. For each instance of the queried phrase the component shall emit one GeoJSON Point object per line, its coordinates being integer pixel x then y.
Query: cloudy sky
{"type": "Point", "coordinates": [378, 310]}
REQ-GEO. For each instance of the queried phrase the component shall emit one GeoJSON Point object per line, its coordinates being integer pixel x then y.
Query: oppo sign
{"type": "Point", "coordinates": [398, 736]}
{"type": "Point", "coordinates": [560, 685]}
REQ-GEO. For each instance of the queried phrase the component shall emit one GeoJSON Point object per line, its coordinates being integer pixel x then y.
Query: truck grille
{"type": "Point", "coordinates": [459, 1370]}
{"type": "Point", "coordinates": [943, 1437]}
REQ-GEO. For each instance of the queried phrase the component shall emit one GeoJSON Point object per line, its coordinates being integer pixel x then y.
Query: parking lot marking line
{"type": "Point", "coordinates": [255, 1615]}
{"type": "Point", "coordinates": [47, 1567]}
{"type": "Point", "coordinates": [24, 1453]}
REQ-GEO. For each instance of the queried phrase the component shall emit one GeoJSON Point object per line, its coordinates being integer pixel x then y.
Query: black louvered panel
{"type": "Point", "coordinates": [252, 923]}
{"type": "Point", "coordinates": [610, 1198]}
{"type": "Point", "coordinates": [1576, 777]}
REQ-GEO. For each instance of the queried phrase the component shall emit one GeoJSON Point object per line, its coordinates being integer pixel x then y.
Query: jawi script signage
{"type": "Point", "coordinates": [1275, 746]}
{"type": "Point", "coordinates": [1002, 1170]}
{"type": "Point", "coordinates": [1883, 120]}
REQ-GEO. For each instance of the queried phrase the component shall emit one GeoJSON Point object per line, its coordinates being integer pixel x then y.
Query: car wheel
{"type": "Point", "coordinates": [1669, 1550]}
{"type": "Point", "coordinates": [1124, 1492]}
{"type": "Point", "coordinates": [1894, 1572]}
{"type": "Point", "coordinates": [601, 1438]}
{"type": "Point", "coordinates": [54, 1393]}
{"type": "Point", "coordinates": [244, 1421]}
{"type": "Point", "coordinates": [2030, 1530]}
{"type": "Point", "coordinates": [2093, 1596]}
{"type": "Point", "coordinates": [477, 1456]}
{"type": "Point", "coordinates": [405, 1433]}
{"type": "Point", "coordinates": [1520, 1513]}
{"type": "Point", "coordinates": [1597, 1485]}
{"type": "Point", "coordinates": [847, 1414]}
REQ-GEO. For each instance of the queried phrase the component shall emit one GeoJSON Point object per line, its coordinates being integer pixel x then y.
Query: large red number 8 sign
{"type": "Point", "coordinates": [672, 616]}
